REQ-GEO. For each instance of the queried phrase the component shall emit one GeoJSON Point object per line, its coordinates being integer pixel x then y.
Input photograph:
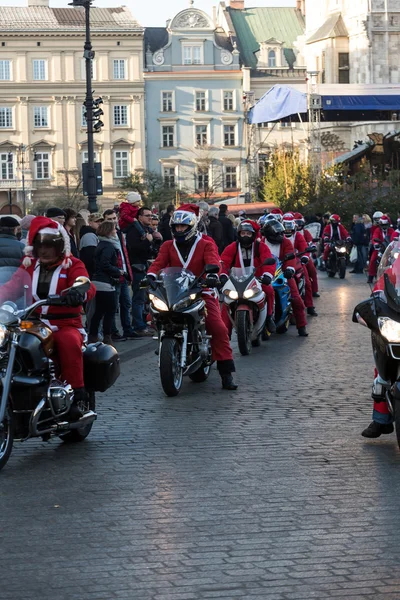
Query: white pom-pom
{"type": "Point", "coordinates": [28, 250]}
{"type": "Point", "coordinates": [27, 262]}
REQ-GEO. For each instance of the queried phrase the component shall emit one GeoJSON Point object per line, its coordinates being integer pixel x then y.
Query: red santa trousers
{"type": "Point", "coordinates": [312, 272]}
{"type": "Point", "coordinates": [297, 304]}
{"type": "Point", "coordinates": [373, 265]}
{"type": "Point", "coordinates": [308, 297]}
{"type": "Point", "coordinates": [68, 341]}
{"type": "Point", "coordinates": [220, 345]}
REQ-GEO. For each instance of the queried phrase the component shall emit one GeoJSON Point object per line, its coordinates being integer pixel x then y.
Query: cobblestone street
{"type": "Point", "coordinates": [269, 493]}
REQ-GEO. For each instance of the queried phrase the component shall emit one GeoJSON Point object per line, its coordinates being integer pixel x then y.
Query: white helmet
{"type": "Point", "coordinates": [376, 216]}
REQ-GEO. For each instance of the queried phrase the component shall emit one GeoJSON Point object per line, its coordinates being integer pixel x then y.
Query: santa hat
{"type": "Point", "coordinates": [276, 211]}
{"type": "Point", "coordinates": [288, 216]}
{"type": "Point", "coordinates": [45, 225]}
{"type": "Point", "coordinates": [193, 208]}
{"type": "Point", "coordinates": [298, 215]}
{"type": "Point", "coordinates": [254, 224]}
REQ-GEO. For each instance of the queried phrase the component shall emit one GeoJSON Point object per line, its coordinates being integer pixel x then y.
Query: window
{"type": "Point", "coordinates": [83, 119]}
{"type": "Point", "coordinates": [201, 101]}
{"type": "Point", "coordinates": [169, 177]}
{"type": "Point", "coordinates": [40, 70]}
{"type": "Point", "coordinates": [5, 70]}
{"type": "Point", "coordinates": [272, 58]}
{"type": "Point", "coordinates": [121, 163]}
{"type": "Point", "coordinates": [7, 166]}
{"type": "Point", "coordinates": [230, 178]}
{"type": "Point", "coordinates": [203, 179]}
{"type": "Point", "coordinates": [121, 115]}
{"type": "Point", "coordinates": [201, 135]}
{"type": "Point", "coordinates": [344, 67]}
{"type": "Point", "coordinates": [167, 102]}
{"type": "Point", "coordinates": [6, 120]}
{"type": "Point", "coordinates": [119, 68]}
{"type": "Point", "coordinates": [192, 55]}
{"type": "Point", "coordinates": [168, 135]}
{"type": "Point", "coordinates": [42, 162]}
{"type": "Point", "coordinates": [40, 118]}
{"type": "Point", "coordinates": [229, 135]}
{"type": "Point", "coordinates": [228, 100]}
{"type": "Point", "coordinates": [85, 157]}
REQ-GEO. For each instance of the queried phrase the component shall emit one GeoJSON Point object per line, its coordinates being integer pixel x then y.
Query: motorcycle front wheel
{"type": "Point", "coordinates": [78, 435]}
{"type": "Point", "coordinates": [171, 372]}
{"type": "Point", "coordinates": [243, 332]}
{"type": "Point", "coordinates": [6, 438]}
{"type": "Point", "coordinates": [342, 269]}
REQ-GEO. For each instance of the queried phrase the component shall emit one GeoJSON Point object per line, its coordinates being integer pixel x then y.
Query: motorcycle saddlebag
{"type": "Point", "coordinates": [101, 367]}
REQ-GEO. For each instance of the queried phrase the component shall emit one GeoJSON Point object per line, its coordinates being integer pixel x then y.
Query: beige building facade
{"type": "Point", "coordinates": [42, 90]}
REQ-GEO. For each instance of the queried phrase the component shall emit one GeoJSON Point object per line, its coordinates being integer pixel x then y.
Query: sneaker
{"type": "Point", "coordinates": [375, 430]}
{"type": "Point", "coordinates": [132, 335]}
{"type": "Point", "coordinates": [144, 333]}
{"type": "Point", "coordinates": [117, 337]}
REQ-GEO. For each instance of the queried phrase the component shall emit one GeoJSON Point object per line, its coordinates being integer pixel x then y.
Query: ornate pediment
{"type": "Point", "coordinates": [192, 18]}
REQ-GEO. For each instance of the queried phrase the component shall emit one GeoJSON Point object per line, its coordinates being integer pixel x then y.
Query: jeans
{"type": "Point", "coordinates": [138, 302]}
{"type": "Point", "coordinates": [362, 257]}
{"type": "Point", "coordinates": [123, 297]}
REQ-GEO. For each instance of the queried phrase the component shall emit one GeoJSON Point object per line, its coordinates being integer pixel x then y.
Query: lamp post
{"type": "Point", "coordinates": [88, 55]}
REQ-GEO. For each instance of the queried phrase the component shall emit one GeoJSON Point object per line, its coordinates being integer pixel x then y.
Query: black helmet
{"type": "Point", "coordinates": [246, 241]}
{"type": "Point", "coordinates": [273, 231]}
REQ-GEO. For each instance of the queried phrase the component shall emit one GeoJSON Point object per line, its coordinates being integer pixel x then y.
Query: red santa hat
{"type": "Point", "coordinates": [254, 224]}
{"type": "Point", "coordinates": [193, 208]}
{"type": "Point", "coordinates": [298, 215]}
{"type": "Point", "coordinates": [276, 211]}
{"type": "Point", "coordinates": [45, 225]}
{"type": "Point", "coordinates": [288, 216]}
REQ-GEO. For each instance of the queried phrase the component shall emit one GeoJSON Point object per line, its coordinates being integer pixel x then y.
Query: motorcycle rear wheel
{"type": "Point", "coordinates": [78, 435]}
{"type": "Point", "coordinates": [6, 438]}
{"type": "Point", "coordinates": [171, 372]}
{"type": "Point", "coordinates": [201, 374]}
{"type": "Point", "coordinates": [243, 332]}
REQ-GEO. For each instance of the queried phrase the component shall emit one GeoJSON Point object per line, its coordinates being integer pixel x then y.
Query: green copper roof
{"type": "Point", "coordinates": [256, 25]}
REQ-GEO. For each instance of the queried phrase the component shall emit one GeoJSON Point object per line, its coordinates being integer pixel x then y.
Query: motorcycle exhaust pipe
{"type": "Point", "coordinates": [86, 419]}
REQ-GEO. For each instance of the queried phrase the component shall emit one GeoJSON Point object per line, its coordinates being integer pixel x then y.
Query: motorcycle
{"type": "Point", "coordinates": [337, 258]}
{"type": "Point", "coordinates": [245, 303]}
{"type": "Point", "coordinates": [283, 306]}
{"type": "Point", "coordinates": [178, 310]}
{"type": "Point", "coordinates": [381, 314]}
{"type": "Point", "coordinates": [34, 402]}
{"type": "Point", "coordinates": [380, 246]}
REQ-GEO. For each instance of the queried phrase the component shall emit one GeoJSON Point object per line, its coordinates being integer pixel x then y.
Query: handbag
{"type": "Point", "coordinates": [354, 254]}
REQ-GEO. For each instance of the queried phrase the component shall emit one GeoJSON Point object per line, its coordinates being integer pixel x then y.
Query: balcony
{"type": "Point", "coordinates": [30, 184]}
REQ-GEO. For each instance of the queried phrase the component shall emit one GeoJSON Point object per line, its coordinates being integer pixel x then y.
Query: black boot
{"type": "Point", "coordinates": [80, 397]}
{"type": "Point", "coordinates": [270, 324]}
{"type": "Point", "coordinates": [316, 295]}
{"type": "Point", "coordinates": [375, 430]}
{"type": "Point", "coordinates": [370, 279]}
{"type": "Point", "coordinates": [302, 332]}
{"type": "Point", "coordinates": [226, 368]}
{"type": "Point", "coordinates": [312, 312]}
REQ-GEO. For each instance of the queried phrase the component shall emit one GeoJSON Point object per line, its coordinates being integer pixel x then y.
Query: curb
{"type": "Point", "coordinates": [133, 352]}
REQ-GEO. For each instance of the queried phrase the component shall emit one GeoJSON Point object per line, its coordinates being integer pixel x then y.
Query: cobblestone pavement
{"type": "Point", "coordinates": [269, 493]}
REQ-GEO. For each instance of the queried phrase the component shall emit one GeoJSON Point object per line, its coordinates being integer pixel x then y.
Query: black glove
{"type": "Point", "coordinates": [212, 280]}
{"type": "Point", "coordinates": [223, 279]}
{"type": "Point", "coordinates": [266, 279]}
{"type": "Point", "coordinates": [304, 260]}
{"type": "Point", "coordinates": [74, 298]}
{"type": "Point", "coordinates": [148, 281]}
{"type": "Point", "coordinates": [288, 273]}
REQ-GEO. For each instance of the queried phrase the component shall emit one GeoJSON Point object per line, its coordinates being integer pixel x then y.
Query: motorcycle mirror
{"type": "Point", "coordinates": [82, 284]}
{"type": "Point", "coordinates": [290, 256]}
{"type": "Point", "coordinates": [269, 261]}
{"type": "Point", "coordinates": [360, 320]}
{"type": "Point", "coordinates": [211, 269]}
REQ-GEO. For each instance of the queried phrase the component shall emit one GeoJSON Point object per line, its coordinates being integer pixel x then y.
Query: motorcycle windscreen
{"type": "Point", "coordinates": [314, 229]}
{"type": "Point", "coordinates": [242, 274]}
{"type": "Point", "coordinates": [176, 283]}
{"type": "Point", "coordinates": [388, 278]}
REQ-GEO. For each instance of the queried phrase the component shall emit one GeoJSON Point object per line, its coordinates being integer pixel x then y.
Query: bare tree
{"type": "Point", "coordinates": [208, 179]}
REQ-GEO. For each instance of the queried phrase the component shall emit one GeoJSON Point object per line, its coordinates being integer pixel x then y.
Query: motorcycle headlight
{"type": "Point", "coordinates": [389, 329]}
{"type": "Point", "coordinates": [158, 303]}
{"type": "Point", "coordinates": [232, 294]}
{"type": "Point", "coordinates": [342, 249]}
{"type": "Point", "coordinates": [250, 293]}
{"type": "Point", "coordinates": [3, 335]}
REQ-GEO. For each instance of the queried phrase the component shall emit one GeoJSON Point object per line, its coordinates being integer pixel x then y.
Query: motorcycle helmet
{"type": "Point", "coordinates": [277, 213]}
{"type": "Point", "coordinates": [384, 223]}
{"type": "Point", "coordinates": [184, 217]}
{"type": "Point", "coordinates": [334, 219]}
{"type": "Point", "coordinates": [376, 216]}
{"type": "Point", "coordinates": [299, 220]}
{"type": "Point", "coordinates": [273, 231]}
{"type": "Point", "coordinates": [44, 232]}
{"type": "Point", "coordinates": [289, 224]}
{"type": "Point", "coordinates": [246, 234]}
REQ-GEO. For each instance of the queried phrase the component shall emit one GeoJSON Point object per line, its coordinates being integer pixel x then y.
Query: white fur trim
{"type": "Point", "coordinates": [27, 262]}
{"type": "Point", "coordinates": [28, 250]}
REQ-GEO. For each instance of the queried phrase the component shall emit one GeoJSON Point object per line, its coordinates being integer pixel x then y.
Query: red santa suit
{"type": "Point", "coordinates": [327, 235]}
{"type": "Point", "coordinates": [280, 251]}
{"type": "Point", "coordinates": [312, 271]}
{"type": "Point", "coordinates": [232, 256]}
{"type": "Point", "coordinates": [127, 214]}
{"type": "Point", "coordinates": [300, 245]}
{"type": "Point", "coordinates": [203, 252]}
{"type": "Point", "coordinates": [381, 235]}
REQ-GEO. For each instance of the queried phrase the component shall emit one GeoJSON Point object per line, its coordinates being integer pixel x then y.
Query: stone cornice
{"type": "Point", "coordinates": [193, 75]}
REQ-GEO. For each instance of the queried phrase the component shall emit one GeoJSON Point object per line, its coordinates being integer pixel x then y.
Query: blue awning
{"type": "Point", "coordinates": [361, 102]}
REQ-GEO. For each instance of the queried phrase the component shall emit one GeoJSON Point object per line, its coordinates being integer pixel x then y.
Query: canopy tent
{"type": "Point", "coordinates": [282, 101]}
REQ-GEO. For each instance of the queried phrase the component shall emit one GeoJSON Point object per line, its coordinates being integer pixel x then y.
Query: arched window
{"type": "Point", "coordinates": [272, 58]}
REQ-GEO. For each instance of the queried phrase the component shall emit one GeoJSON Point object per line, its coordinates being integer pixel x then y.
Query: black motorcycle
{"type": "Point", "coordinates": [381, 314]}
{"type": "Point", "coordinates": [178, 310]}
{"type": "Point", "coordinates": [337, 259]}
{"type": "Point", "coordinates": [34, 402]}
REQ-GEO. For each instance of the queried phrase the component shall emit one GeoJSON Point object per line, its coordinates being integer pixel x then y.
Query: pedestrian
{"type": "Point", "coordinates": [11, 251]}
{"type": "Point", "coordinates": [215, 229]}
{"type": "Point", "coordinates": [25, 226]}
{"type": "Point", "coordinates": [89, 242]}
{"type": "Point", "coordinates": [57, 214]}
{"type": "Point", "coordinates": [122, 289]}
{"type": "Point", "coordinates": [228, 235]}
{"type": "Point", "coordinates": [164, 227]}
{"type": "Point", "coordinates": [157, 237]}
{"type": "Point", "coordinates": [139, 241]}
{"type": "Point", "coordinates": [360, 238]}
{"type": "Point", "coordinates": [70, 225]}
{"type": "Point", "coordinates": [203, 221]}
{"type": "Point", "coordinates": [80, 222]}
{"type": "Point", "coordinates": [107, 274]}
{"type": "Point", "coordinates": [128, 210]}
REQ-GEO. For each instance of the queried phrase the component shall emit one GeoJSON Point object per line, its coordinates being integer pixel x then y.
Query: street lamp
{"type": "Point", "coordinates": [88, 55]}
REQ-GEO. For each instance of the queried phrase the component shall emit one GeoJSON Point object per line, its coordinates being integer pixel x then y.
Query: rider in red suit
{"type": "Point", "coordinates": [312, 271]}
{"type": "Point", "coordinates": [250, 251]}
{"type": "Point", "coordinates": [384, 233]}
{"type": "Point", "coordinates": [332, 232]}
{"type": "Point", "coordinates": [48, 269]}
{"type": "Point", "coordinates": [300, 245]}
{"type": "Point", "coordinates": [191, 251]}
{"type": "Point", "coordinates": [280, 246]}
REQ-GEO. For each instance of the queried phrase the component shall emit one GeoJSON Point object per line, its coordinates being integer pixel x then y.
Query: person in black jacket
{"type": "Point", "coordinates": [108, 273]}
{"type": "Point", "coordinates": [228, 234]}
{"type": "Point", "coordinates": [164, 227]}
{"type": "Point", "coordinates": [89, 241]}
{"type": "Point", "coordinates": [215, 229]}
{"type": "Point", "coordinates": [360, 238]}
{"type": "Point", "coordinates": [139, 241]}
{"type": "Point", "coordinates": [11, 250]}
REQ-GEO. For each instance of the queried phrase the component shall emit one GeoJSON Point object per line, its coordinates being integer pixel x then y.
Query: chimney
{"type": "Point", "coordinates": [237, 4]}
{"type": "Point", "coordinates": [301, 6]}
{"type": "Point", "coordinates": [44, 3]}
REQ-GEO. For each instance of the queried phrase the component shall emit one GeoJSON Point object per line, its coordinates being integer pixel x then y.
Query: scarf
{"type": "Point", "coordinates": [113, 240]}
